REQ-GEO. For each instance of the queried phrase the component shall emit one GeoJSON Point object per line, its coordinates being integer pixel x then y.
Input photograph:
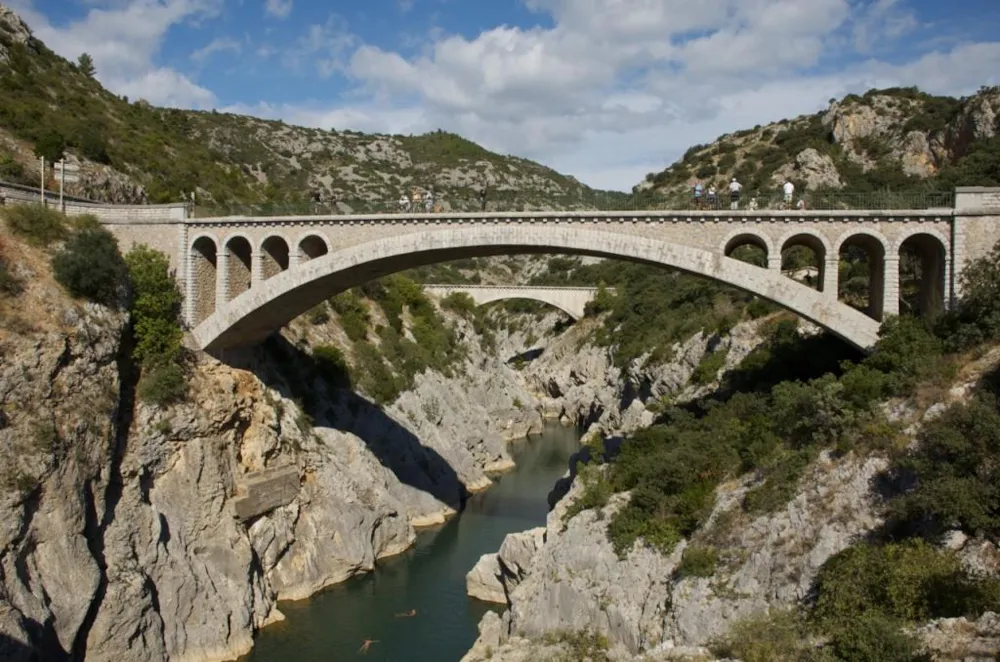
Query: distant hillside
{"type": "Point", "coordinates": [130, 151]}
{"type": "Point", "coordinates": [900, 139]}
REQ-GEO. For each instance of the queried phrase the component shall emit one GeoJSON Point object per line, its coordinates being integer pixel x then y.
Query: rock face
{"type": "Point", "coordinates": [483, 581]}
{"type": "Point", "coordinates": [577, 583]}
{"type": "Point", "coordinates": [579, 383]}
{"type": "Point", "coordinates": [126, 531]}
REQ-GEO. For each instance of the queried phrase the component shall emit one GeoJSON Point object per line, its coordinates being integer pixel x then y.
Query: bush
{"type": "Point", "coordinates": [459, 303]}
{"type": "Point", "coordinates": [353, 313]}
{"type": "Point", "coordinates": [709, 366]}
{"type": "Point", "coordinates": [332, 365]}
{"type": "Point", "coordinates": [89, 266]}
{"type": "Point", "coordinates": [904, 582]}
{"type": "Point", "coordinates": [776, 637]}
{"type": "Point", "coordinates": [698, 562]}
{"type": "Point", "coordinates": [10, 284]}
{"type": "Point", "coordinates": [874, 638]}
{"type": "Point", "coordinates": [155, 305]}
{"type": "Point", "coordinates": [38, 225]}
{"type": "Point", "coordinates": [163, 384]}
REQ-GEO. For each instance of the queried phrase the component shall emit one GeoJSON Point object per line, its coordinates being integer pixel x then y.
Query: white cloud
{"type": "Point", "coordinates": [324, 46]}
{"type": "Point", "coordinates": [217, 45]}
{"type": "Point", "coordinates": [620, 87]}
{"type": "Point", "coordinates": [278, 8]}
{"type": "Point", "coordinates": [124, 37]}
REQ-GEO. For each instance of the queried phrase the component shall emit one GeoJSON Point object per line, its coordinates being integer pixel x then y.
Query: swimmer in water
{"type": "Point", "coordinates": [407, 614]}
{"type": "Point", "coordinates": [366, 645]}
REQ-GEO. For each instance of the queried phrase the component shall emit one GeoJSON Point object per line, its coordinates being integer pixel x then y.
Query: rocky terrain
{"type": "Point", "coordinates": [895, 138]}
{"type": "Point", "coordinates": [565, 587]}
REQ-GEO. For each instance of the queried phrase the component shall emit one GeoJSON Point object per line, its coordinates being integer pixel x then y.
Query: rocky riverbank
{"type": "Point", "coordinates": [566, 588]}
{"type": "Point", "coordinates": [120, 538]}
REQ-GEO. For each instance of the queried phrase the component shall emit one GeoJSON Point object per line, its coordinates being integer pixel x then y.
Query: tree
{"type": "Point", "coordinates": [85, 64]}
{"type": "Point", "coordinates": [156, 303]}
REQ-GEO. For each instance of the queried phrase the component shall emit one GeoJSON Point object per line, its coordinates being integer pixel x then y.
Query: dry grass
{"type": "Point", "coordinates": [40, 307]}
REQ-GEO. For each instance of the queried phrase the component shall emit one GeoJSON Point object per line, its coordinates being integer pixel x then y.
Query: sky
{"type": "Point", "coordinates": [604, 90]}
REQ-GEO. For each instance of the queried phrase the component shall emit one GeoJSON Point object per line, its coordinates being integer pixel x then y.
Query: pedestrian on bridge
{"type": "Point", "coordinates": [734, 194]}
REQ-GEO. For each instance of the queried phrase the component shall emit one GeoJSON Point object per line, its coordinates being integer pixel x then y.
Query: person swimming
{"type": "Point", "coordinates": [366, 644]}
{"type": "Point", "coordinates": [407, 614]}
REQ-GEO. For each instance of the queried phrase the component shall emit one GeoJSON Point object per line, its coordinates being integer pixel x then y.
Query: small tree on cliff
{"type": "Point", "coordinates": [85, 64]}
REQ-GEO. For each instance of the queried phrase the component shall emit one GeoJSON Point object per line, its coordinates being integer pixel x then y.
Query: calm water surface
{"type": "Point", "coordinates": [430, 577]}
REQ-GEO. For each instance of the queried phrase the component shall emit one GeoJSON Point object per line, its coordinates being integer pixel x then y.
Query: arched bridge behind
{"type": "Point", "coordinates": [570, 300]}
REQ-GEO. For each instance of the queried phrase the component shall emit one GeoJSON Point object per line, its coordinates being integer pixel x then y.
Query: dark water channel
{"type": "Point", "coordinates": [429, 578]}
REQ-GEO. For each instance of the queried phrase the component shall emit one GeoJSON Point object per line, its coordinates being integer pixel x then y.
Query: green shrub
{"type": "Point", "coordinates": [353, 313]}
{"type": "Point", "coordinates": [89, 266]}
{"type": "Point", "coordinates": [781, 636]}
{"type": "Point", "coordinates": [332, 365]}
{"type": "Point", "coordinates": [319, 314]}
{"type": "Point", "coordinates": [875, 638]}
{"type": "Point", "coordinates": [906, 582]}
{"type": "Point", "coordinates": [698, 562]}
{"type": "Point", "coordinates": [709, 366]}
{"type": "Point", "coordinates": [374, 376]}
{"type": "Point", "coordinates": [155, 305]}
{"type": "Point", "coordinates": [38, 225]}
{"type": "Point", "coordinates": [459, 303]}
{"type": "Point", "coordinates": [10, 284]}
{"type": "Point", "coordinates": [163, 384]}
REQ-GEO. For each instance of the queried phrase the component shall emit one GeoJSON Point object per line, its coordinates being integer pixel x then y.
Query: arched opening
{"type": "Point", "coordinates": [312, 247]}
{"type": "Point", "coordinates": [802, 260]}
{"type": "Point", "coordinates": [204, 270]}
{"type": "Point", "coordinates": [275, 252]}
{"type": "Point", "coordinates": [861, 274]}
{"type": "Point", "coordinates": [747, 248]}
{"type": "Point", "coordinates": [238, 260]}
{"type": "Point", "coordinates": [921, 275]}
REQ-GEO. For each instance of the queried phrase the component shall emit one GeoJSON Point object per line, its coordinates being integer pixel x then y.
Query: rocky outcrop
{"type": "Point", "coordinates": [483, 581]}
{"type": "Point", "coordinates": [577, 583]}
{"type": "Point", "coordinates": [578, 382]}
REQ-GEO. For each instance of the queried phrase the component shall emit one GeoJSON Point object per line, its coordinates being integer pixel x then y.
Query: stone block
{"type": "Point", "coordinates": [266, 490]}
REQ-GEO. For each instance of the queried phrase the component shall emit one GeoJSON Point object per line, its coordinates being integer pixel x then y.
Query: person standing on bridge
{"type": "Point", "coordinates": [697, 194]}
{"type": "Point", "coordinates": [482, 197]}
{"type": "Point", "coordinates": [789, 192]}
{"type": "Point", "coordinates": [734, 194]}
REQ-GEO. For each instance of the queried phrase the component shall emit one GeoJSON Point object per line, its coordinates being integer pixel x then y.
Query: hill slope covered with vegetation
{"type": "Point", "coordinates": [130, 151]}
{"type": "Point", "coordinates": [900, 139]}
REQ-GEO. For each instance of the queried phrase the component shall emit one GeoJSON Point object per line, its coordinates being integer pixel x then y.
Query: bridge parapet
{"type": "Point", "coordinates": [571, 300]}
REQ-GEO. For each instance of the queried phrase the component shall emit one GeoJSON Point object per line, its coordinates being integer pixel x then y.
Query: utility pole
{"type": "Point", "coordinates": [62, 183]}
{"type": "Point", "coordinates": [41, 187]}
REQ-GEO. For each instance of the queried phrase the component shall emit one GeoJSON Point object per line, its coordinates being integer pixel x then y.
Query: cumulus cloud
{"type": "Point", "coordinates": [124, 37]}
{"type": "Point", "coordinates": [278, 8]}
{"type": "Point", "coordinates": [616, 88]}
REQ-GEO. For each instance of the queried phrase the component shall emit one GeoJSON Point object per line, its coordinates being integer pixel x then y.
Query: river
{"type": "Point", "coordinates": [430, 577]}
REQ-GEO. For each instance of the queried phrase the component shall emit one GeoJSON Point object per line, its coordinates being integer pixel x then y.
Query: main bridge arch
{"type": "Point", "coordinates": [255, 314]}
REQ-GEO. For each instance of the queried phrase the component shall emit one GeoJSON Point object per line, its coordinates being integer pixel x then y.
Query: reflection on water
{"type": "Point", "coordinates": [429, 578]}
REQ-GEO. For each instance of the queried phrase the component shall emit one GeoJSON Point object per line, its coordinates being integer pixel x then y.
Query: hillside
{"type": "Point", "coordinates": [900, 139]}
{"type": "Point", "coordinates": [130, 151]}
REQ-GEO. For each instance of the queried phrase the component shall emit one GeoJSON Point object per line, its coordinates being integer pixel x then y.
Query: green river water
{"type": "Point", "coordinates": [429, 578]}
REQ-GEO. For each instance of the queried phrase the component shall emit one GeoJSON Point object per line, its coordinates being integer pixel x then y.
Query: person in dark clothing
{"type": "Point", "coordinates": [482, 197]}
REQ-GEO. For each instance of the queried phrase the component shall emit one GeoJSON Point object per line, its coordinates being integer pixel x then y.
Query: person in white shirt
{"type": "Point", "coordinates": [789, 189]}
{"type": "Point", "coordinates": [734, 194]}
{"type": "Point", "coordinates": [404, 203]}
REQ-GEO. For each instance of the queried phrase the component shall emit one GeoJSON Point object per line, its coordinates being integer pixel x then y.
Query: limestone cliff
{"type": "Point", "coordinates": [123, 538]}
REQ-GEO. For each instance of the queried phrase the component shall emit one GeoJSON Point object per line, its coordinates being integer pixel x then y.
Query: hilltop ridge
{"type": "Point", "coordinates": [130, 151]}
{"type": "Point", "coordinates": [899, 138]}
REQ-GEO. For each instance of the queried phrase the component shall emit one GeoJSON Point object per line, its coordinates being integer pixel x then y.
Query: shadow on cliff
{"type": "Point", "coordinates": [47, 649]}
{"type": "Point", "coordinates": [324, 394]}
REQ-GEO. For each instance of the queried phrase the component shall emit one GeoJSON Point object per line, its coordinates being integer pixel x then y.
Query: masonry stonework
{"type": "Point", "coordinates": [251, 275]}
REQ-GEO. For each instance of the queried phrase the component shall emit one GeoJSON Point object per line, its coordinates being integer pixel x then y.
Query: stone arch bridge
{"type": "Point", "coordinates": [244, 277]}
{"type": "Point", "coordinates": [570, 300]}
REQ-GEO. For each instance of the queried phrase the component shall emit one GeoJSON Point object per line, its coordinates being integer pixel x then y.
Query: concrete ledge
{"type": "Point", "coordinates": [266, 490]}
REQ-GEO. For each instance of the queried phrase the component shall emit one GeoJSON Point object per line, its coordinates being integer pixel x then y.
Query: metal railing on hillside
{"type": "Point", "coordinates": [512, 201]}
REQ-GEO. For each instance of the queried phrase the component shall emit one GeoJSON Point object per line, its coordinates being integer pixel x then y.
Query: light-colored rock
{"type": "Point", "coordinates": [961, 639]}
{"type": "Point", "coordinates": [483, 581]}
